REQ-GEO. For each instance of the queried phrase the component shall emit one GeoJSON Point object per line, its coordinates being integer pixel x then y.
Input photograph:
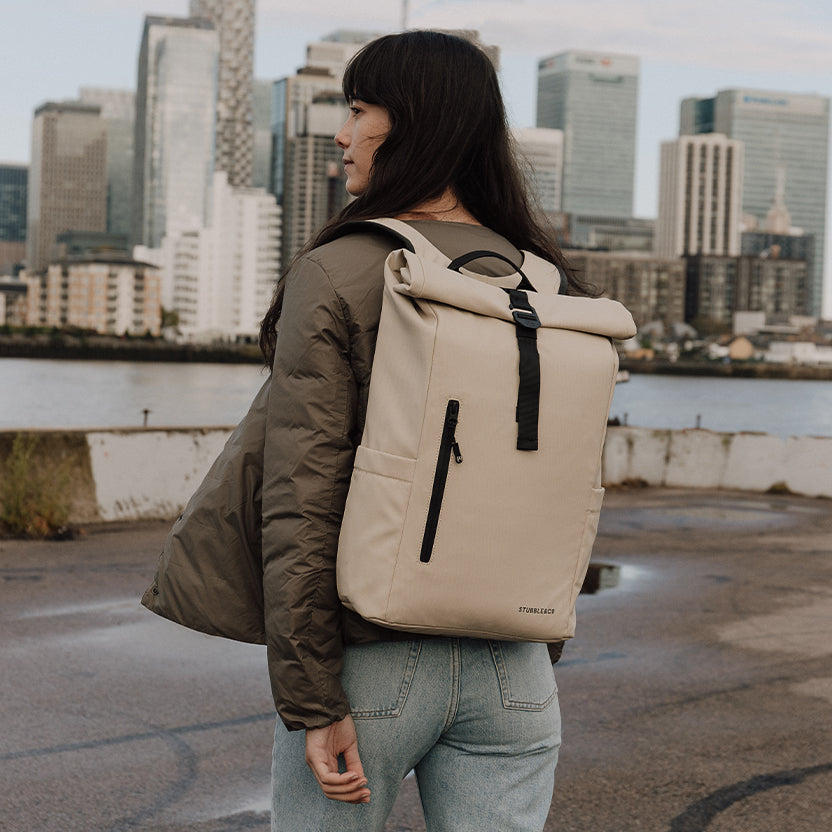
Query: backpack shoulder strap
{"type": "Point", "coordinates": [407, 237]}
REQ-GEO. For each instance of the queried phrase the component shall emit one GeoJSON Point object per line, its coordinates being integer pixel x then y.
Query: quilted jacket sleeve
{"type": "Point", "coordinates": [308, 461]}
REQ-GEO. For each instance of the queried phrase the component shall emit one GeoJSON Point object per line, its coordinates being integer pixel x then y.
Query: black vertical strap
{"type": "Point", "coordinates": [526, 324]}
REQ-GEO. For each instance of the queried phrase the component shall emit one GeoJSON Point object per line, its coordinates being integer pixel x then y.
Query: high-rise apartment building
{"type": "Point", "coordinates": [314, 185]}
{"type": "Point", "coordinates": [700, 196]}
{"type": "Point", "coordinates": [785, 135]}
{"type": "Point", "coordinates": [234, 21]}
{"type": "Point", "coordinates": [541, 152]}
{"type": "Point", "coordinates": [593, 98]}
{"type": "Point", "coordinates": [67, 187]}
{"type": "Point", "coordinates": [175, 117]}
{"type": "Point", "coordinates": [13, 186]}
{"type": "Point", "coordinates": [118, 109]}
{"type": "Point", "coordinates": [291, 98]}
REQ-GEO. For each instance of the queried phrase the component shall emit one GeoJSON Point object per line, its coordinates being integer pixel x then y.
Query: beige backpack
{"type": "Point", "coordinates": [476, 490]}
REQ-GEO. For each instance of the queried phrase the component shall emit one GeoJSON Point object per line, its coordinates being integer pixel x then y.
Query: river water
{"type": "Point", "coordinates": [85, 394]}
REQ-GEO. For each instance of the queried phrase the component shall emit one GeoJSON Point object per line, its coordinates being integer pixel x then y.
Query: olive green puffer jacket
{"type": "Point", "coordinates": [253, 555]}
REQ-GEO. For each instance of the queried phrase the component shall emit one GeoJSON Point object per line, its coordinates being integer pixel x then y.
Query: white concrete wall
{"type": "Point", "coordinates": [150, 473]}
{"type": "Point", "coordinates": [705, 459]}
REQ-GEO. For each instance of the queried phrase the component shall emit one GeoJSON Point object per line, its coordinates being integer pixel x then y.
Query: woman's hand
{"type": "Point", "coordinates": [323, 745]}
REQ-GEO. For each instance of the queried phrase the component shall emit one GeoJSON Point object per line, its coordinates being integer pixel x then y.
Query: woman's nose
{"type": "Point", "coordinates": [342, 138]}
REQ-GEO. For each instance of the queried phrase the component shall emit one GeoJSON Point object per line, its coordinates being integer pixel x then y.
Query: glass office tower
{"type": "Point", "coordinates": [593, 98]}
{"type": "Point", "coordinates": [175, 118]}
{"type": "Point", "coordinates": [781, 132]}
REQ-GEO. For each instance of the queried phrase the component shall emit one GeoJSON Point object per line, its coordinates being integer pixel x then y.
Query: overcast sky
{"type": "Point", "coordinates": [48, 48]}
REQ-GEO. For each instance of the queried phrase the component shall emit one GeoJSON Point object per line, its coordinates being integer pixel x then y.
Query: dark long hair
{"type": "Point", "coordinates": [448, 131]}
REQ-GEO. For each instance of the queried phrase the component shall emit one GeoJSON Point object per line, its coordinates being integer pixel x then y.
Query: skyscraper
{"type": "Point", "coordinates": [700, 196]}
{"type": "Point", "coordinates": [262, 156]}
{"type": "Point", "coordinates": [67, 188]}
{"type": "Point", "coordinates": [593, 98]}
{"type": "Point", "coordinates": [13, 186]}
{"type": "Point", "coordinates": [314, 188]}
{"type": "Point", "coordinates": [786, 137]}
{"type": "Point", "coordinates": [118, 109]}
{"type": "Point", "coordinates": [541, 150]}
{"type": "Point", "coordinates": [234, 21]}
{"type": "Point", "coordinates": [174, 141]}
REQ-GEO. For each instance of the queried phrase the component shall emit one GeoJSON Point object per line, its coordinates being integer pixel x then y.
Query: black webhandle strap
{"type": "Point", "coordinates": [526, 324]}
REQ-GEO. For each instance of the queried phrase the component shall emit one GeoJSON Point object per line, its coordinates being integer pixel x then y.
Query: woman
{"type": "Point", "coordinates": [427, 142]}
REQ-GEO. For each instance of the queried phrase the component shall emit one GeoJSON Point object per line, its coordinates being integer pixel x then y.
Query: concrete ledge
{"type": "Point", "coordinates": [150, 473]}
{"type": "Point", "coordinates": [707, 459]}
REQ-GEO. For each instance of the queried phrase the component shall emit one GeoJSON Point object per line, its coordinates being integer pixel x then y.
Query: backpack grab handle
{"type": "Point", "coordinates": [464, 259]}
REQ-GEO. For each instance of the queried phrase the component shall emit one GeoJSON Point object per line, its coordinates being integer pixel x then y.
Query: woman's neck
{"type": "Point", "coordinates": [446, 208]}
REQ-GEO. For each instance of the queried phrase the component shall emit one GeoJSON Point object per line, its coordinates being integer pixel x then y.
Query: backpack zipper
{"type": "Point", "coordinates": [447, 446]}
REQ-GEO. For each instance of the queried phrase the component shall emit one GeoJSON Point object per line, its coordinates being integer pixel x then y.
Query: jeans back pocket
{"type": "Point", "coordinates": [376, 677]}
{"type": "Point", "coordinates": [527, 680]}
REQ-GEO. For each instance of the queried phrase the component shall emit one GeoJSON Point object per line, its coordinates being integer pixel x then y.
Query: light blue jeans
{"type": "Point", "coordinates": [477, 720]}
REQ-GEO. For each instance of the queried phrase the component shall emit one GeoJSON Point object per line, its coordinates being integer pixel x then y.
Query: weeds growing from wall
{"type": "Point", "coordinates": [34, 491]}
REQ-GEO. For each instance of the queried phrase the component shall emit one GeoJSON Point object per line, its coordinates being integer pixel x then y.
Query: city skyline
{"type": "Point", "coordinates": [687, 50]}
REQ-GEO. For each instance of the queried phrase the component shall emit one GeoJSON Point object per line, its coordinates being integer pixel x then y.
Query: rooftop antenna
{"type": "Point", "coordinates": [404, 15]}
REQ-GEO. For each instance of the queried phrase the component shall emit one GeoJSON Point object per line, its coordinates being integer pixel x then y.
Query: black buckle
{"type": "Point", "coordinates": [525, 317]}
{"type": "Point", "coordinates": [522, 311]}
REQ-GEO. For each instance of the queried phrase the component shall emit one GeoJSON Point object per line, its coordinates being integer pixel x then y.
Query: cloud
{"type": "Point", "coordinates": [764, 35]}
{"type": "Point", "coordinates": [759, 36]}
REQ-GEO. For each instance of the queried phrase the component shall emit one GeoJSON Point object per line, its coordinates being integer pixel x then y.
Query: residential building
{"type": "Point", "coordinates": [719, 286]}
{"type": "Point", "coordinates": [651, 287]}
{"type": "Point", "coordinates": [700, 196]}
{"type": "Point", "coordinates": [710, 282]}
{"type": "Point", "coordinates": [234, 20]}
{"type": "Point", "coordinates": [541, 154]}
{"type": "Point", "coordinates": [782, 246]}
{"type": "Point", "coordinates": [785, 135]}
{"type": "Point", "coordinates": [772, 285]}
{"type": "Point", "coordinates": [118, 109]}
{"type": "Point", "coordinates": [107, 292]}
{"type": "Point", "coordinates": [175, 118]}
{"type": "Point", "coordinates": [593, 98]}
{"type": "Point", "coordinates": [13, 187]}
{"type": "Point", "coordinates": [67, 185]}
{"type": "Point", "coordinates": [14, 298]}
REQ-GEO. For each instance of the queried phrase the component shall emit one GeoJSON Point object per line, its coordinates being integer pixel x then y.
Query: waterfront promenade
{"type": "Point", "coordinates": [697, 694]}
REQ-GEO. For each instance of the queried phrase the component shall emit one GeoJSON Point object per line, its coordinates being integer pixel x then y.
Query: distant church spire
{"type": "Point", "coordinates": [778, 219]}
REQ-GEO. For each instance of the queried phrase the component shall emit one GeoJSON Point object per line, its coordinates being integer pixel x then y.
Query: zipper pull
{"type": "Point", "coordinates": [457, 452]}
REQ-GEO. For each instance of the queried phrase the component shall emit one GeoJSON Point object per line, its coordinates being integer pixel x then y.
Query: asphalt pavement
{"type": "Point", "coordinates": [697, 694]}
